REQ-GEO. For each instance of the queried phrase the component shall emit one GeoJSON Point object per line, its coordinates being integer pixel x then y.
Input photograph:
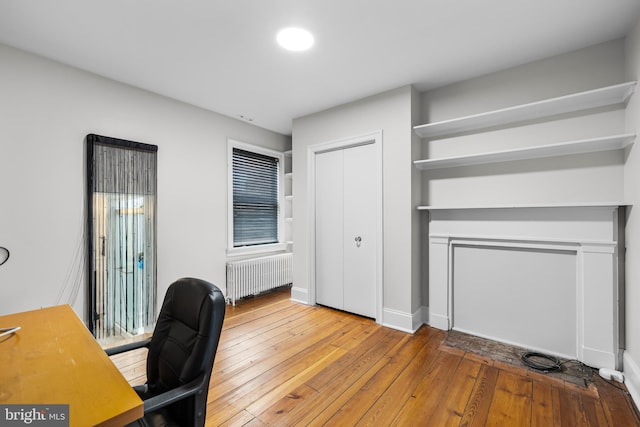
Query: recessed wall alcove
{"type": "Point", "coordinates": [546, 278]}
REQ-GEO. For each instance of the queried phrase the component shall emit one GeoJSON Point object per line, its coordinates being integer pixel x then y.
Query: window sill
{"type": "Point", "coordinates": [251, 250]}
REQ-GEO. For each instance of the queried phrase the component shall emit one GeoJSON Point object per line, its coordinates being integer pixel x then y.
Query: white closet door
{"type": "Point", "coordinates": [329, 229]}
{"type": "Point", "coordinates": [346, 229]}
{"type": "Point", "coordinates": [360, 230]}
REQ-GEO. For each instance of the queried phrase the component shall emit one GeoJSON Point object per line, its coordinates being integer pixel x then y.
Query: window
{"type": "Point", "coordinates": [255, 216]}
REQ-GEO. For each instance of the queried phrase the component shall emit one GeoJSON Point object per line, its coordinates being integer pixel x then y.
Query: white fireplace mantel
{"type": "Point", "coordinates": [589, 233]}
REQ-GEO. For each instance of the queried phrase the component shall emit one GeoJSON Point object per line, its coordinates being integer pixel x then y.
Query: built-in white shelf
{"type": "Point", "coordinates": [592, 145]}
{"type": "Point", "coordinates": [527, 206]}
{"type": "Point", "coordinates": [288, 176]}
{"type": "Point", "coordinates": [610, 95]}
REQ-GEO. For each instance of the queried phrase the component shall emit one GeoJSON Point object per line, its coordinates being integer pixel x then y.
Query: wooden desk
{"type": "Point", "coordinates": [54, 359]}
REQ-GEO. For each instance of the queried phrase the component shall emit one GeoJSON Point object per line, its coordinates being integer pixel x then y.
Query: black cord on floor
{"type": "Point", "coordinates": [550, 363]}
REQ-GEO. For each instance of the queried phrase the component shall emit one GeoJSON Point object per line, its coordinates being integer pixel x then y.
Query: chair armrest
{"type": "Point", "coordinates": [168, 397]}
{"type": "Point", "coordinates": [128, 347]}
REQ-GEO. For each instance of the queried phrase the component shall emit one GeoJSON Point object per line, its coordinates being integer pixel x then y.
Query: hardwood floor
{"type": "Point", "coordinates": [286, 364]}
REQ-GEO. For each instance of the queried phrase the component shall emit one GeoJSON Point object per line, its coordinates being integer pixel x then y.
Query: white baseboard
{"type": "Point", "coordinates": [632, 378]}
{"type": "Point", "coordinates": [402, 321]}
{"type": "Point", "coordinates": [424, 315]}
{"type": "Point", "coordinates": [300, 295]}
{"type": "Point", "coordinates": [439, 322]}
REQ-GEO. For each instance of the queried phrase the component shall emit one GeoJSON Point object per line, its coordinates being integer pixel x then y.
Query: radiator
{"type": "Point", "coordinates": [253, 276]}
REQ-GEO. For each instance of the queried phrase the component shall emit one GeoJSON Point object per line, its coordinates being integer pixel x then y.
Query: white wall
{"type": "Point", "coordinates": [390, 112]}
{"type": "Point", "coordinates": [587, 177]}
{"type": "Point", "coordinates": [46, 110]}
{"type": "Point", "coordinates": [632, 232]}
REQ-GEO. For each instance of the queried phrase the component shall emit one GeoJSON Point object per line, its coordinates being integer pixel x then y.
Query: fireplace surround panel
{"type": "Point", "coordinates": [481, 262]}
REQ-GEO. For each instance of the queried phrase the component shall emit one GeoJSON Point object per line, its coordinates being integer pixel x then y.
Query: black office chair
{"type": "Point", "coordinates": [181, 354]}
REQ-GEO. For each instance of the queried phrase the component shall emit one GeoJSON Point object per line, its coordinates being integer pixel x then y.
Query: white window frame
{"type": "Point", "coordinates": [256, 249]}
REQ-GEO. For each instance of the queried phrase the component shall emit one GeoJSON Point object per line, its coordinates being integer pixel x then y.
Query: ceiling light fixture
{"type": "Point", "coordinates": [295, 39]}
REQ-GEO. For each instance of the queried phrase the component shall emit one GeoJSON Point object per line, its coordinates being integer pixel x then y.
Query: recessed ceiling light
{"type": "Point", "coordinates": [296, 39]}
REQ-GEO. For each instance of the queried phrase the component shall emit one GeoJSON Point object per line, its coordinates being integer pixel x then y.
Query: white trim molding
{"type": "Point", "coordinates": [632, 377]}
{"type": "Point", "coordinates": [424, 315]}
{"type": "Point", "coordinates": [402, 321]}
{"type": "Point", "coordinates": [300, 295]}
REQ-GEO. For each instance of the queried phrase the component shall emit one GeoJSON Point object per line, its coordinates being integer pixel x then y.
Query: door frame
{"type": "Point", "coordinates": [374, 138]}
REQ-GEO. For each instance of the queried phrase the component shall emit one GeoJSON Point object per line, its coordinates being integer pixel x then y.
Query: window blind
{"type": "Point", "coordinates": [255, 198]}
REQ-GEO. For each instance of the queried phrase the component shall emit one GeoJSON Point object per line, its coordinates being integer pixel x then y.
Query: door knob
{"type": "Point", "coordinates": [358, 241]}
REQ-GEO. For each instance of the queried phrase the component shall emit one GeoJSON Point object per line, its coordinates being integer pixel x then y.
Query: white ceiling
{"type": "Point", "coordinates": [222, 55]}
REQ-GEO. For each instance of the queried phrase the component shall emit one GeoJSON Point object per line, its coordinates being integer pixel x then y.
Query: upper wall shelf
{"type": "Point", "coordinates": [607, 143]}
{"type": "Point", "coordinates": [601, 97]}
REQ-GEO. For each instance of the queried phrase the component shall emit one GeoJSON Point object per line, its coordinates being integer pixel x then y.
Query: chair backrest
{"type": "Point", "coordinates": [185, 340]}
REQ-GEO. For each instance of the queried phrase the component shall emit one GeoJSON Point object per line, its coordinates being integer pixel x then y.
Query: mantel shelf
{"type": "Point", "coordinates": [607, 143]}
{"type": "Point", "coordinates": [610, 95]}
{"type": "Point", "coordinates": [527, 206]}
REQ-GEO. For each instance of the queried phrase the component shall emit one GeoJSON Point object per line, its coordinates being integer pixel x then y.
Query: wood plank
{"type": "Point", "coordinates": [386, 407]}
{"type": "Point", "coordinates": [270, 372]}
{"type": "Point", "coordinates": [287, 364]}
{"type": "Point", "coordinates": [592, 410]}
{"type": "Point", "coordinates": [373, 345]}
{"type": "Point", "coordinates": [392, 363]}
{"type": "Point", "coordinates": [236, 358]}
{"type": "Point", "coordinates": [617, 404]}
{"type": "Point", "coordinates": [426, 396]}
{"type": "Point", "coordinates": [477, 409]}
{"type": "Point", "coordinates": [264, 359]}
{"type": "Point", "coordinates": [277, 412]}
{"type": "Point", "coordinates": [541, 405]}
{"type": "Point", "coordinates": [356, 400]}
{"type": "Point", "coordinates": [511, 403]}
{"type": "Point", "coordinates": [285, 407]}
{"type": "Point", "coordinates": [286, 411]}
{"type": "Point", "coordinates": [567, 407]}
{"type": "Point", "coordinates": [313, 365]}
{"type": "Point", "coordinates": [355, 337]}
{"type": "Point", "coordinates": [453, 403]}
{"type": "Point", "coordinates": [335, 380]}
{"type": "Point", "coordinates": [241, 419]}
{"type": "Point", "coordinates": [280, 311]}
